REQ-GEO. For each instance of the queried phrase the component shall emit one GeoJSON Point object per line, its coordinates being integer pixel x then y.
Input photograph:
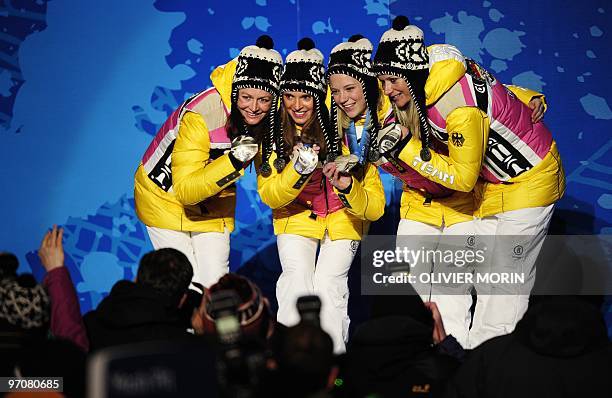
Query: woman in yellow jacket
{"type": "Point", "coordinates": [494, 145]}
{"type": "Point", "coordinates": [312, 210]}
{"type": "Point", "coordinates": [428, 210]}
{"type": "Point", "coordinates": [184, 187]}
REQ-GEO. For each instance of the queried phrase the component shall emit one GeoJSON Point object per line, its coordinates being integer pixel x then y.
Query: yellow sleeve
{"type": "Point", "coordinates": [222, 77]}
{"type": "Point", "coordinates": [468, 129]}
{"type": "Point", "coordinates": [447, 67]}
{"type": "Point", "coordinates": [280, 189]}
{"type": "Point", "coordinates": [195, 177]}
{"type": "Point", "coordinates": [525, 95]}
{"type": "Point", "coordinates": [366, 199]}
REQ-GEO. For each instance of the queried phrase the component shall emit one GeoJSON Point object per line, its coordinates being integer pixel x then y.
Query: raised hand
{"type": "Point", "coordinates": [51, 251]}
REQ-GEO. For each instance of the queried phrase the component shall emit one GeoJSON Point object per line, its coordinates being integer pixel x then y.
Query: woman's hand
{"type": "Point", "coordinates": [51, 251]}
{"type": "Point", "coordinates": [339, 180]}
{"type": "Point", "coordinates": [316, 148]}
{"type": "Point", "coordinates": [537, 106]}
{"type": "Point", "coordinates": [390, 136]}
{"type": "Point", "coordinates": [305, 159]}
{"type": "Point", "coordinates": [439, 333]}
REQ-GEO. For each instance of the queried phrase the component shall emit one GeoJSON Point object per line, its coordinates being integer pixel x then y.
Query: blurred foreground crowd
{"type": "Point", "coordinates": [155, 337]}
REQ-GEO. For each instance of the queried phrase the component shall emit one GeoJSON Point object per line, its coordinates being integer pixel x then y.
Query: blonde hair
{"type": "Point", "coordinates": [409, 118]}
{"type": "Point", "coordinates": [344, 120]}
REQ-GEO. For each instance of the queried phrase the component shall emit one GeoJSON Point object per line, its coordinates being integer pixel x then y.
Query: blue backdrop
{"type": "Point", "coordinates": [85, 84]}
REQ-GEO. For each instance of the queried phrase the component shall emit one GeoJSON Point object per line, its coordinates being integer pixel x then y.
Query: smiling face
{"type": "Point", "coordinates": [253, 104]}
{"type": "Point", "coordinates": [299, 105]}
{"type": "Point", "coordinates": [397, 89]}
{"type": "Point", "coordinates": [348, 94]}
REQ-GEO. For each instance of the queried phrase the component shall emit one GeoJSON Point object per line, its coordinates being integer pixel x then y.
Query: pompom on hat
{"type": "Point", "coordinates": [402, 52]}
{"type": "Point", "coordinates": [304, 70]}
{"type": "Point", "coordinates": [259, 66]}
{"type": "Point", "coordinates": [401, 49]}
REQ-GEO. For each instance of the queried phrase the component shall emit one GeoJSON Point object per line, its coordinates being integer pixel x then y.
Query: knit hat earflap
{"type": "Point", "coordinates": [353, 58]}
{"type": "Point", "coordinates": [402, 52]}
{"type": "Point", "coordinates": [259, 66]}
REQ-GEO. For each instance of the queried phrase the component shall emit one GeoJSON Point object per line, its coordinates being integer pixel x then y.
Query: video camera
{"type": "Point", "coordinates": [241, 361]}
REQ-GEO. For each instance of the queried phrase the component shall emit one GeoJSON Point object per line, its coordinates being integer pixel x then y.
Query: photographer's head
{"type": "Point", "coordinates": [8, 265]}
{"type": "Point", "coordinates": [168, 271]}
{"type": "Point", "coordinates": [411, 306]}
{"type": "Point", "coordinates": [306, 362]}
{"type": "Point", "coordinates": [24, 304]}
{"type": "Point", "coordinates": [252, 311]}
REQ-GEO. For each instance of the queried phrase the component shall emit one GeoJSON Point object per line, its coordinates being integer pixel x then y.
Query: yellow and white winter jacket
{"type": "Point", "coordinates": [493, 147]}
{"type": "Point", "coordinates": [185, 181]}
{"type": "Point", "coordinates": [309, 206]}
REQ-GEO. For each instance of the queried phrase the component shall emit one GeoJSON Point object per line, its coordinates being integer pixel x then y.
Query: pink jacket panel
{"type": "Point", "coordinates": [319, 196]}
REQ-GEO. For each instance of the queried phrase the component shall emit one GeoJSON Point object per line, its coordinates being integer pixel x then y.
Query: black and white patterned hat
{"type": "Point", "coordinates": [304, 72]}
{"type": "Point", "coordinates": [402, 52]}
{"type": "Point", "coordinates": [25, 305]}
{"type": "Point", "coordinates": [260, 66]}
{"type": "Point", "coordinates": [353, 58]}
{"type": "Point", "coordinates": [401, 49]}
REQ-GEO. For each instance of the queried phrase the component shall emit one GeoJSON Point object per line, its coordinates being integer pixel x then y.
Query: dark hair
{"type": "Point", "coordinates": [258, 324]}
{"type": "Point", "coordinates": [167, 270]}
{"type": "Point", "coordinates": [237, 283]}
{"type": "Point", "coordinates": [306, 358]}
{"type": "Point", "coordinates": [312, 133]}
{"type": "Point", "coordinates": [8, 265]}
{"type": "Point", "coordinates": [412, 306]}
